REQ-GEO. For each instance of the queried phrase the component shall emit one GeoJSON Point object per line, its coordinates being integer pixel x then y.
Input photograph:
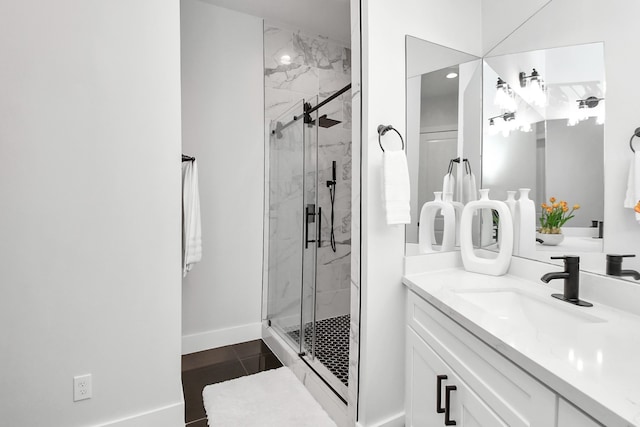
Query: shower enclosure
{"type": "Point", "coordinates": [309, 244]}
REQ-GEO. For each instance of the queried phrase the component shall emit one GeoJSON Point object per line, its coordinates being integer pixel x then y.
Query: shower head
{"type": "Point", "coordinates": [325, 122]}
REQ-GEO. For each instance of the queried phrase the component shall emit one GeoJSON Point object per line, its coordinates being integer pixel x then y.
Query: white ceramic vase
{"type": "Point", "coordinates": [526, 216]}
{"type": "Point", "coordinates": [492, 266]}
{"type": "Point", "coordinates": [426, 233]}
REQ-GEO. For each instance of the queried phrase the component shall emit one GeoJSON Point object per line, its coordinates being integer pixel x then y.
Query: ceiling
{"type": "Point", "coordinates": [328, 18]}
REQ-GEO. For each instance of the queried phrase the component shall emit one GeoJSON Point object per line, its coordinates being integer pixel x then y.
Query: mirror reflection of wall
{"type": "Point", "coordinates": [440, 83]}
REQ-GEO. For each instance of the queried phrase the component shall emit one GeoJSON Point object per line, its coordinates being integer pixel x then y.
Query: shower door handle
{"type": "Point", "coordinates": [309, 217]}
{"type": "Point", "coordinates": [319, 236]}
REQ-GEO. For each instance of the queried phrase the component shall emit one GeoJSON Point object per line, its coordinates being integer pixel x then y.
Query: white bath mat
{"type": "Point", "coordinates": [274, 398]}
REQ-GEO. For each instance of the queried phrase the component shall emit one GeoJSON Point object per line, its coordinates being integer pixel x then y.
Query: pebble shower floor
{"type": "Point", "coordinates": [332, 344]}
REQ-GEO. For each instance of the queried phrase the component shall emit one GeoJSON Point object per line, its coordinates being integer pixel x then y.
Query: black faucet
{"type": "Point", "coordinates": [571, 276]}
{"type": "Point", "coordinates": [614, 266]}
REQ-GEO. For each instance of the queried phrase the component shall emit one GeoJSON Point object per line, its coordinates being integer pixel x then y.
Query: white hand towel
{"type": "Point", "coordinates": [469, 189]}
{"type": "Point", "coordinates": [191, 231]}
{"type": "Point", "coordinates": [633, 184]}
{"type": "Point", "coordinates": [449, 185]}
{"type": "Point", "coordinates": [396, 191]}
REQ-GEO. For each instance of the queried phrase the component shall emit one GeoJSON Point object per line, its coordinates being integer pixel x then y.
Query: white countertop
{"type": "Point", "coordinates": [595, 364]}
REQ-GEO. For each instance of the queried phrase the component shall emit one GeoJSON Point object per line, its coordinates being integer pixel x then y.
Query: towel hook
{"type": "Point", "coordinates": [635, 133]}
{"type": "Point", "coordinates": [382, 129]}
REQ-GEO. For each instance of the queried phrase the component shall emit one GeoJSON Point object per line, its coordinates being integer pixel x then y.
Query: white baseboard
{"type": "Point", "coordinates": [167, 416]}
{"type": "Point", "coordinates": [394, 421]}
{"type": "Point", "coordinates": [221, 337]}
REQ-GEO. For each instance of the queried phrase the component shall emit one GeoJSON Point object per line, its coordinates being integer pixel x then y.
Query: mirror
{"type": "Point", "coordinates": [543, 117]}
{"type": "Point", "coordinates": [443, 123]}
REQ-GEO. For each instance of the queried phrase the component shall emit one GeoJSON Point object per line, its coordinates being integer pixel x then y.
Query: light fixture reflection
{"type": "Point", "coordinates": [533, 88]}
{"type": "Point", "coordinates": [588, 107]}
{"type": "Point", "coordinates": [507, 123]}
{"type": "Point", "coordinates": [505, 97]}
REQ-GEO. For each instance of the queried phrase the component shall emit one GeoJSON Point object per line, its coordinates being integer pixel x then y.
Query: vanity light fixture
{"type": "Point", "coordinates": [533, 88]}
{"type": "Point", "coordinates": [505, 97]}
{"type": "Point", "coordinates": [582, 112]}
{"type": "Point", "coordinates": [506, 125]}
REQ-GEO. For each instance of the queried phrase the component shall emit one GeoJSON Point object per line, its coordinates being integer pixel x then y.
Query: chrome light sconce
{"type": "Point", "coordinates": [506, 125]}
{"type": "Point", "coordinates": [590, 102]}
{"type": "Point", "coordinates": [505, 97]}
{"type": "Point", "coordinates": [582, 113]}
{"type": "Point", "coordinates": [534, 90]}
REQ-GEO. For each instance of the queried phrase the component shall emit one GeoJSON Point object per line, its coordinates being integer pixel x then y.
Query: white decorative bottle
{"type": "Point", "coordinates": [512, 203]}
{"type": "Point", "coordinates": [426, 233]}
{"type": "Point", "coordinates": [526, 215]}
{"type": "Point", "coordinates": [492, 266]}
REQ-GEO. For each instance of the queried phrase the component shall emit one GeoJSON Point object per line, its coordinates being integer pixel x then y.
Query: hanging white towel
{"type": "Point", "coordinates": [449, 185]}
{"type": "Point", "coordinates": [469, 189]}
{"type": "Point", "coordinates": [633, 184]}
{"type": "Point", "coordinates": [396, 191]}
{"type": "Point", "coordinates": [191, 231]}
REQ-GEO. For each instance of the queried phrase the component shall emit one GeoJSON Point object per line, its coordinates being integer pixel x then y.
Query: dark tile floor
{"type": "Point", "coordinates": [218, 365]}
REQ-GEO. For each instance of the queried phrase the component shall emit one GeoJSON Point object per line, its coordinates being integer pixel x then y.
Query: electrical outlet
{"type": "Point", "coordinates": [82, 387]}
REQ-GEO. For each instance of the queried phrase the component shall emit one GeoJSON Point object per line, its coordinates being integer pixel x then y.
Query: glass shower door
{"type": "Point", "coordinates": [286, 226]}
{"type": "Point", "coordinates": [295, 222]}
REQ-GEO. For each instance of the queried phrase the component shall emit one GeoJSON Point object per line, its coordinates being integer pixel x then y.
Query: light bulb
{"type": "Point", "coordinates": [285, 60]}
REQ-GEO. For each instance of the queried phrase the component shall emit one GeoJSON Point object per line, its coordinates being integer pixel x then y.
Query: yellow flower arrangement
{"type": "Point", "coordinates": [637, 207]}
{"type": "Point", "coordinates": [556, 214]}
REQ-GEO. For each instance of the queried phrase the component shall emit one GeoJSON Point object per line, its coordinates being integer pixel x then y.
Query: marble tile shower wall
{"type": "Point", "coordinates": [298, 66]}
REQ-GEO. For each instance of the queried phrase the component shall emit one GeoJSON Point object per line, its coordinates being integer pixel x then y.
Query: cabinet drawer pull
{"type": "Point", "coordinates": [447, 405]}
{"type": "Point", "coordinates": [439, 408]}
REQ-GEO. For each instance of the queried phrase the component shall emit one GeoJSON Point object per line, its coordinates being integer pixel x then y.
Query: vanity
{"type": "Point", "coordinates": [499, 351]}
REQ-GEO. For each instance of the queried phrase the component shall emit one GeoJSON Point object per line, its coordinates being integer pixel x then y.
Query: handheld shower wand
{"type": "Point", "coordinates": [332, 193]}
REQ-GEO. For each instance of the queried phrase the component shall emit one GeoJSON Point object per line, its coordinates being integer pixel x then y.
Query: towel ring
{"type": "Point", "coordinates": [635, 133]}
{"type": "Point", "coordinates": [382, 129]}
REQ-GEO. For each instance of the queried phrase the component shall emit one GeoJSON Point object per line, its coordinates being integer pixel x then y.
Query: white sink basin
{"type": "Point", "coordinates": [513, 305]}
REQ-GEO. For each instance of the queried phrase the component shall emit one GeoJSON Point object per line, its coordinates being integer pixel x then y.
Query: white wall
{"type": "Point", "coordinates": [576, 151]}
{"type": "Point", "coordinates": [90, 211]}
{"type": "Point", "coordinates": [552, 28]}
{"type": "Point", "coordinates": [384, 26]}
{"type": "Point", "coordinates": [222, 114]}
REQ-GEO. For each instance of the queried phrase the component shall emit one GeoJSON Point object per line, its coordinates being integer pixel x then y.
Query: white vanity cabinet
{"type": "Point", "coordinates": [489, 389]}
{"type": "Point", "coordinates": [437, 396]}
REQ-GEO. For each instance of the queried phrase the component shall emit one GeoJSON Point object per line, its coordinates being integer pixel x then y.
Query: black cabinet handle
{"type": "Point", "coordinates": [439, 408]}
{"type": "Point", "coordinates": [447, 405]}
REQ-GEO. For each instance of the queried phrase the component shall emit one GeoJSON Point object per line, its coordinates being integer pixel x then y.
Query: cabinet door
{"type": "Point", "coordinates": [423, 368]}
